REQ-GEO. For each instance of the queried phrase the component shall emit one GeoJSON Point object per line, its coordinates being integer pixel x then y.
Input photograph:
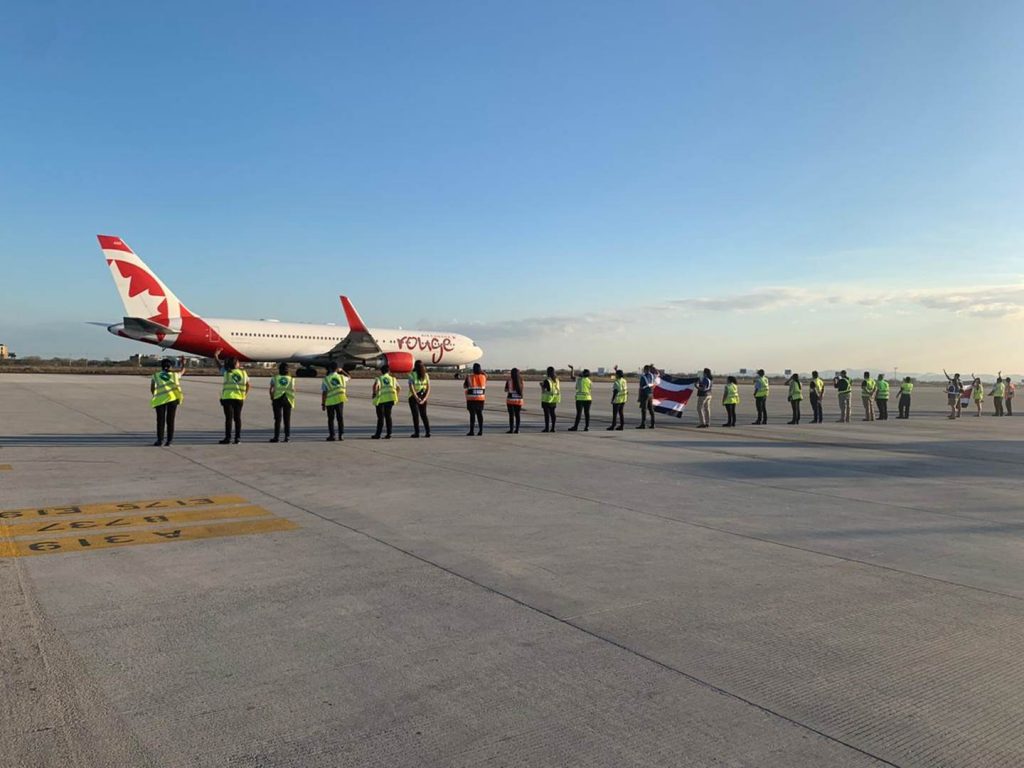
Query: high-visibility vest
{"type": "Point", "coordinates": [762, 381]}
{"type": "Point", "coordinates": [553, 394]}
{"type": "Point", "coordinates": [387, 389]}
{"type": "Point", "coordinates": [883, 390]}
{"type": "Point", "coordinates": [234, 385]}
{"type": "Point", "coordinates": [583, 388]}
{"type": "Point", "coordinates": [999, 389]}
{"type": "Point", "coordinates": [796, 391]}
{"type": "Point", "coordinates": [335, 389]}
{"type": "Point", "coordinates": [731, 396]}
{"type": "Point", "coordinates": [419, 386]}
{"type": "Point", "coordinates": [512, 395]}
{"type": "Point", "coordinates": [906, 387]}
{"type": "Point", "coordinates": [867, 387]}
{"type": "Point", "coordinates": [476, 387]}
{"type": "Point", "coordinates": [978, 393]}
{"type": "Point", "coordinates": [844, 385]}
{"type": "Point", "coordinates": [819, 387]}
{"type": "Point", "coordinates": [166, 388]}
{"type": "Point", "coordinates": [620, 390]}
{"type": "Point", "coordinates": [284, 386]}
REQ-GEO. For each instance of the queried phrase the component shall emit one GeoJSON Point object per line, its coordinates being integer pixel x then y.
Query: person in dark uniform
{"type": "Point", "coordinates": [817, 392]}
{"type": "Point", "coordinates": [234, 389]}
{"type": "Point", "coordinates": [385, 395]}
{"type": "Point", "coordinates": [584, 398]}
{"type": "Point", "coordinates": [550, 397]}
{"type": "Point", "coordinates": [333, 396]}
{"type": "Point", "coordinates": [165, 396]}
{"type": "Point", "coordinates": [475, 386]}
{"type": "Point", "coordinates": [645, 396]}
{"type": "Point", "coordinates": [282, 400]}
{"type": "Point", "coordinates": [514, 400]}
{"type": "Point", "coordinates": [419, 391]}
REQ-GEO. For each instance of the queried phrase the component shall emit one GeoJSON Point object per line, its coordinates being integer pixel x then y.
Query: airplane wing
{"type": "Point", "coordinates": [359, 344]}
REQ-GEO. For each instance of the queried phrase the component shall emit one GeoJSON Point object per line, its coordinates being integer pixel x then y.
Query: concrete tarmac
{"type": "Point", "coordinates": [813, 595]}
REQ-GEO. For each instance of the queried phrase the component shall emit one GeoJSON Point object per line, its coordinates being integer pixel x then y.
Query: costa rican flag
{"type": "Point", "coordinates": [672, 393]}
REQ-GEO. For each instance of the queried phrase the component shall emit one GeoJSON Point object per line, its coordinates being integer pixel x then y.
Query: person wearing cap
{"type": "Point", "coordinates": [385, 395]}
{"type": "Point", "coordinates": [234, 389]}
{"type": "Point", "coordinates": [550, 397]}
{"type": "Point", "coordinates": [584, 398]}
{"type": "Point", "coordinates": [475, 386]}
{"type": "Point", "coordinates": [165, 396]}
{"type": "Point", "coordinates": [333, 396]}
{"type": "Point", "coordinates": [282, 401]}
{"type": "Point", "coordinates": [620, 394]}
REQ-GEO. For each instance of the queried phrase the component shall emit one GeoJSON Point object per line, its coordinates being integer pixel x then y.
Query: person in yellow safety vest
{"type": "Point", "coordinates": [978, 395]}
{"type": "Point", "coordinates": [998, 393]}
{"type": "Point", "coordinates": [906, 388]}
{"type": "Point", "coordinates": [233, 392]}
{"type": "Point", "coordinates": [730, 399]}
{"type": "Point", "coordinates": [514, 400]}
{"type": "Point", "coordinates": [282, 401]}
{"type": "Point", "coordinates": [475, 386]}
{"type": "Point", "coordinates": [165, 396]}
{"type": "Point", "coordinates": [882, 397]}
{"type": "Point", "coordinates": [333, 396]}
{"type": "Point", "coordinates": [419, 391]}
{"type": "Point", "coordinates": [550, 397]}
{"type": "Point", "coordinates": [796, 394]}
{"type": "Point", "coordinates": [584, 397]}
{"type": "Point", "coordinates": [620, 394]}
{"type": "Point", "coordinates": [761, 397]}
{"type": "Point", "coordinates": [385, 395]}
{"type": "Point", "coordinates": [1011, 390]}
{"type": "Point", "coordinates": [867, 396]}
{"type": "Point", "coordinates": [817, 396]}
{"type": "Point", "coordinates": [844, 391]}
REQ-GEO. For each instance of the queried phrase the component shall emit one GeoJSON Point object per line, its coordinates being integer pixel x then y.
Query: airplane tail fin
{"type": "Point", "coordinates": [144, 295]}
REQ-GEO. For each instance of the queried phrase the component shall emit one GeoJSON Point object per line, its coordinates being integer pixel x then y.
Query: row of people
{"type": "Point", "coordinates": [1002, 394]}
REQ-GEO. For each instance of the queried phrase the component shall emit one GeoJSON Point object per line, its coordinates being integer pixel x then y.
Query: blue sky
{"type": "Point", "coordinates": [789, 184]}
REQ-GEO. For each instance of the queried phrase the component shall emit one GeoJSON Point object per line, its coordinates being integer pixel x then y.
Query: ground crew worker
{"type": "Point", "coordinates": [817, 395]}
{"type": "Point", "coordinates": [584, 397]}
{"type": "Point", "coordinates": [730, 399]}
{"type": "Point", "coordinates": [166, 395]}
{"type": "Point", "coordinates": [333, 396]}
{"type": "Point", "coordinates": [476, 389]}
{"type": "Point", "coordinates": [844, 391]}
{"type": "Point", "coordinates": [867, 396]}
{"type": "Point", "coordinates": [1011, 390]}
{"type": "Point", "coordinates": [954, 394]}
{"type": "Point", "coordinates": [550, 397]}
{"type": "Point", "coordinates": [761, 397]}
{"type": "Point", "coordinates": [385, 395]}
{"type": "Point", "coordinates": [977, 395]}
{"type": "Point", "coordinates": [882, 397]}
{"type": "Point", "coordinates": [906, 388]}
{"type": "Point", "coordinates": [704, 399]}
{"type": "Point", "coordinates": [419, 391]}
{"type": "Point", "coordinates": [646, 396]}
{"type": "Point", "coordinates": [233, 392]}
{"type": "Point", "coordinates": [282, 400]}
{"type": "Point", "coordinates": [796, 394]}
{"type": "Point", "coordinates": [514, 400]}
{"type": "Point", "coordinates": [620, 394]}
{"type": "Point", "coordinates": [998, 392]}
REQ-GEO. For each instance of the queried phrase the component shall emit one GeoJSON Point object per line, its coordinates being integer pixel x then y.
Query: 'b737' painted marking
{"type": "Point", "coordinates": [124, 506]}
{"type": "Point", "coordinates": [89, 524]}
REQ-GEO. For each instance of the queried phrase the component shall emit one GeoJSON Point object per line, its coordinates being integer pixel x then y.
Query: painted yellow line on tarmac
{"type": "Point", "coordinates": [5, 467]}
{"type": "Point", "coordinates": [120, 507]}
{"type": "Point", "coordinates": [95, 541]}
{"type": "Point", "coordinates": [46, 527]}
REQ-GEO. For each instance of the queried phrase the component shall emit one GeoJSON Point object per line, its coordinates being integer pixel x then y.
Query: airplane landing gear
{"type": "Point", "coordinates": [306, 372]}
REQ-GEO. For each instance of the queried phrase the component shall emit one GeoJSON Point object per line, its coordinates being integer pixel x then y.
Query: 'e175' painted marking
{"type": "Point", "coordinates": [104, 540]}
{"type": "Point", "coordinates": [90, 524]}
{"type": "Point", "coordinates": [125, 506]}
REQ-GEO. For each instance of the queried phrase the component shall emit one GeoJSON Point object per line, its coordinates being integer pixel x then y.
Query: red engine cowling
{"type": "Point", "coordinates": [399, 362]}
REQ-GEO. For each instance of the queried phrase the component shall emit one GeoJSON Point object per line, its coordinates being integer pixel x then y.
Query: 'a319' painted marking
{"type": "Point", "coordinates": [119, 507]}
{"type": "Point", "coordinates": [75, 524]}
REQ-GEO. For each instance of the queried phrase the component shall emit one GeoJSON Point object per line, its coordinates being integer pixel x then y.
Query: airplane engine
{"type": "Point", "coordinates": [398, 362]}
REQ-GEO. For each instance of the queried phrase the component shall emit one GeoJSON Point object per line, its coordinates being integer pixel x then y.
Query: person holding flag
{"type": "Point", "coordinates": [165, 396]}
{"type": "Point", "coordinates": [645, 396]}
{"type": "Point", "coordinates": [671, 393]}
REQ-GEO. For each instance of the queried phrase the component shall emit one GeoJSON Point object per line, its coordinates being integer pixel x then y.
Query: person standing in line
{"type": "Point", "coordinates": [550, 397]}
{"type": "Point", "coordinates": [235, 388]}
{"type": "Point", "coordinates": [817, 395]}
{"type": "Point", "coordinates": [906, 389]}
{"type": "Point", "coordinates": [419, 391]}
{"type": "Point", "coordinates": [730, 399]}
{"type": "Point", "coordinates": [385, 395]}
{"type": "Point", "coordinates": [998, 393]}
{"type": "Point", "coordinates": [977, 395]}
{"type": "Point", "coordinates": [165, 396]}
{"type": "Point", "coordinates": [282, 401]}
{"type": "Point", "coordinates": [844, 392]}
{"type": "Point", "coordinates": [761, 397]}
{"type": "Point", "coordinates": [620, 394]}
{"type": "Point", "coordinates": [514, 400]}
{"type": "Point", "coordinates": [704, 399]}
{"type": "Point", "coordinates": [333, 396]}
{"type": "Point", "coordinates": [954, 394]}
{"type": "Point", "coordinates": [796, 394]}
{"type": "Point", "coordinates": [867, 396]}
{"type": "Point", "coordinates": [584, 398]}
{"type": "Point", "coordinates": [1011, 390]}
{"type": "Point", "coordinates": [476, 388]}
{"type": "Point", "coordinates": [882, 397]}
{"type": "Point", "coordinates": [645, 396]}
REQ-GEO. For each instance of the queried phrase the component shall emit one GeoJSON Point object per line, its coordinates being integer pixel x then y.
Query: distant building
{"type": "Point", "coordinates": [5, 353]}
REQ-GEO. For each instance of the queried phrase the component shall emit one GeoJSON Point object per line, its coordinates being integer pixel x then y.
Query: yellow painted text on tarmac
{"type": "Point", "coordinates": [79, 524]}
{"type": "Point", "coordinates": [5, 467]}
{"type": "Point", "coordinates": [146, 505]}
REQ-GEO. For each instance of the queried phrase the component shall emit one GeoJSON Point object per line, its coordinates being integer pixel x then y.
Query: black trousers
{"type": "Point", "coordinates": [165, 416]}
{"type": "Point", "coordinates": [1009, 405]}
{"type": "Point", "coordinates": [582, 409]}
{"type": "Point", "coordinates": [795, 404]}
{"type": "Point", "coordinates": [646, 407]}
{"type": "Point", "coordinates": [515, 413]}
{"type": "Point", "coordinates": [904, 406]}
{"type": "Point", "coordinates": [384, 418]}
{"type": "Point", "coordinates": [762, 410]}
{"type": "Point", "coordinates": [618, 412]}
{"type": "Point", "coordinates": [998, 403]}
{"type": "Point", "coordinates": [476, 415]}
{"type": "Point", "coordinates": [549, 416]}
{"type": "Point", "coordinates": [730, 410]}
{"type": "Point", "coordinates": [419, 411]}
{"type": "Point", "coordinates": [336, 414]}
{"type": "Point", "coordinates": [282, 412]}
{"type": "Point", "coordinates": [883, 409]}
{"type": "Point", "coordinates": [816, 409]}
{"type": "Point", "coordinates": [232, 415]}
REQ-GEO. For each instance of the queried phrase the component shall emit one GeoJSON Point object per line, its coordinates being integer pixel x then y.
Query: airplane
{"type": "Point", "coordinates": [154, 315]}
